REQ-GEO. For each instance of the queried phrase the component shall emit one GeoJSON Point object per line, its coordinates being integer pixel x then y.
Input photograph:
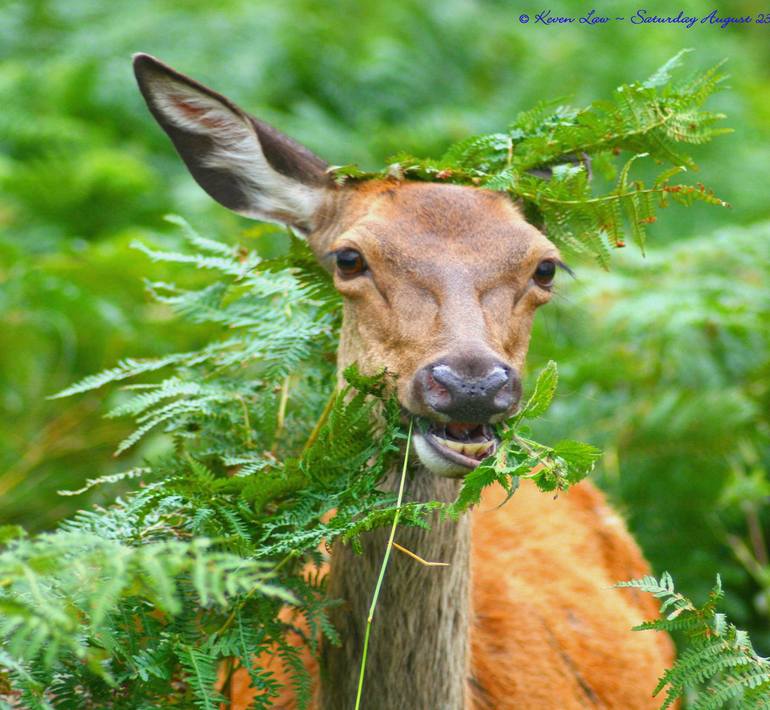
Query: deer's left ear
{"type": "Point", "coordinates": [242, 162]}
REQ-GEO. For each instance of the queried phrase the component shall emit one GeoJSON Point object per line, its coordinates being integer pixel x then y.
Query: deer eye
{"type": "Point", "coordinates": [350, 262]}
{"type": "Point", "coordinates": [544, 273]}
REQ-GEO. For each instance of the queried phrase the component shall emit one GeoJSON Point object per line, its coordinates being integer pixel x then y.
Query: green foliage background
{"type": "Point", "coordinates": [664, 361]}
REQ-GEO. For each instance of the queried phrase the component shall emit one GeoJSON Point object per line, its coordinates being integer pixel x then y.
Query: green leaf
{"type": "Point", "coordinates": [201, 674]}
{"type": "Point", "coordinates": [663, 75]}
{"type": "Point", "coordinates": [578, 457]}
{"type": "Point", "coordinates": [11, 532]}
{"type": "Point", "coordinates": [545, 388]}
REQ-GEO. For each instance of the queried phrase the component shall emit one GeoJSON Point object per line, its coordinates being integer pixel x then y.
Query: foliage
{"type": "Point", "coordinates": [53, 615]}
{"type": "Point", "coordinates": [664, 365]}
{"type": "Point", "coordinates": [545, 156]}
{"type": "Point", "coordinates": [189, 571]}
{"type": "Point", "coordinates": [656, 367]}
{"type": "Point", "coordinates": [83, 172]}
{"type": "Point", "coordinates": [551, 468]}
{"type": "Point", "coordinates": [719, 662]}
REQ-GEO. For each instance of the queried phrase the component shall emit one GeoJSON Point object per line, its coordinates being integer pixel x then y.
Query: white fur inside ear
{"type": "Point", "coordinates": [236, 149]}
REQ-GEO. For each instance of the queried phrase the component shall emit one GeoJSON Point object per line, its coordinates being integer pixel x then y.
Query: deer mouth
{"type": "Point", "coordinates": [454, 448]}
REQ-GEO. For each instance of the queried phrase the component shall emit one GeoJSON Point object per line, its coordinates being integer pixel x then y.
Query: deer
{"type": "Point", "coordinates": [440, 284]}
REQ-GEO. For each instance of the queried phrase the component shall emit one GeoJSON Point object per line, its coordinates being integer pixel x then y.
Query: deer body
{"type": "Point", "coordinates": [440, 284]}
{"type": "Point", "coordinates": [542, 628]}
{"type": "Point", "coordinates": [422, 620]}
{"type": "Point", "coordinates": [514, 622]}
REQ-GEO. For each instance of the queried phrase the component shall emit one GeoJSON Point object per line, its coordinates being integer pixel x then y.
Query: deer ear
{"type": "Point", "coordinates": [243, 163]}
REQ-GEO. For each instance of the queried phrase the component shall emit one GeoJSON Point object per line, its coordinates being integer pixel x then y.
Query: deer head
{"type": "Point", "coordinates": [440, 282]}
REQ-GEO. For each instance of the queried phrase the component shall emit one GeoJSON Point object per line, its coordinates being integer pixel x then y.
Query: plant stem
{"type": "Point", "coordinates": [281, 413]}
{"type": "Point", "coordinates": [321, 420]}
{"type": "Point", "coordinates": [411, 554]}
{"type": "Point", "coordinates": [384, 566]}
{"type": "Point", "coordinates": [280, 483]}
{"type": "Point", "coordinates": [292, 554]}
{"type": "Point", "coordinates": [756, 535]}
{"type": "Point", "coordinates": [246, 421]}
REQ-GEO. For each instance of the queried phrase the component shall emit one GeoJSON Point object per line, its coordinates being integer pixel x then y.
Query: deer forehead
{"type": "Point", "coordinates": [438, 231]}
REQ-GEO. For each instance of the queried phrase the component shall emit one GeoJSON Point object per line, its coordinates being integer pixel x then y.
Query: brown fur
{"type": "Point", "coordinates": [420, 631]}
{"type": "Point", "coordinates": [547, 628]}
{"type": "Point", "coordinates": [525, 616]}
{"type": "Point", "coordinates": [457, 260]}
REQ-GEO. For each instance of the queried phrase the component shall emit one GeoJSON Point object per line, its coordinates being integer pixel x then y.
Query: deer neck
{"type": "Point", "coordinates": [418, 650]}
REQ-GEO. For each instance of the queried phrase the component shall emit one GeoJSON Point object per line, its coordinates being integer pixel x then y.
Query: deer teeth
{"type": "Point", "coordinates": [466, 448]}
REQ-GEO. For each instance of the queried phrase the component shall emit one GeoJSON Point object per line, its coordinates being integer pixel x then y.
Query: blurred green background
{"type": "Point", "coordinates": [664, 362]}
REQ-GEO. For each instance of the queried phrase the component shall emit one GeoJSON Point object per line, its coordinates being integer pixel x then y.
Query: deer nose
{"type": "Point", "coordinates": [473, 393]}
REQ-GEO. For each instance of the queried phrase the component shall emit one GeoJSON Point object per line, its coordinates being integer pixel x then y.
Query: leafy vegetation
{"type": "Point", "coordinates": [719, 667]}
{"type": "Point", "coordinates": [83, 172]}
{"type": "Point", "coordinates": [190, 570]}
{"type": "Point", "coordinates": [664, 365]}
{"type": "Point", "coordinates": [663, 362]}
{"type": "Point", "coordinates": [560, 143]}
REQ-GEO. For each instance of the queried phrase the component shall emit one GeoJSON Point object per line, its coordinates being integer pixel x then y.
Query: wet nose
{"type": "Point", "coordinates": [470, 391]}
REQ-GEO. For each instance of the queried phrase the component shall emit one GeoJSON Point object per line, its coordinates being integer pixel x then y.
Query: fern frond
{"type": "Point", "coordinates": [538, 160]}
{"type": "Point", "coordinates": [719, 664]}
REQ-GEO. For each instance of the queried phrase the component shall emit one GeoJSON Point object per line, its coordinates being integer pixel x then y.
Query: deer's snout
{"type": "Point", "coordinates": [468, 389]}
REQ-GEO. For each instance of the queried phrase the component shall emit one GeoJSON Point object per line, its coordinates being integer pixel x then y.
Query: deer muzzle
{"type": "Point", "coordinates": [462, 397]}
